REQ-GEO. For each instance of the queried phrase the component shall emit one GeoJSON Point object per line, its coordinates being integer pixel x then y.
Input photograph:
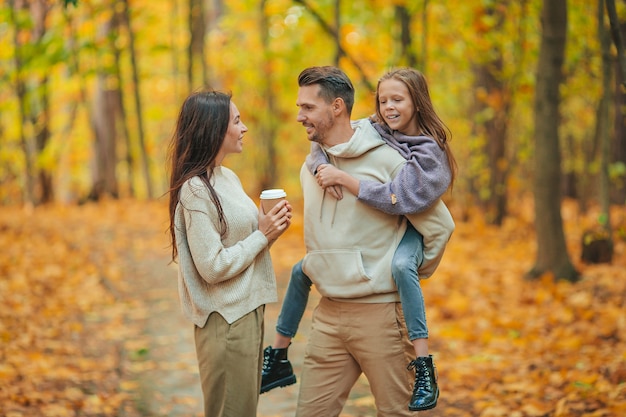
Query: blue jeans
{"type": "Point", "coordinates": [406, 260]}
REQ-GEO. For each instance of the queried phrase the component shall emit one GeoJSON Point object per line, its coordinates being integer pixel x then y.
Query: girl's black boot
{"type": "Point", "coordinates": [425, 389]}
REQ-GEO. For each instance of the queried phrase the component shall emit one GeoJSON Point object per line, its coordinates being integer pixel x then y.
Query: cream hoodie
{"type": "Point", "coordinates": [349, 244]}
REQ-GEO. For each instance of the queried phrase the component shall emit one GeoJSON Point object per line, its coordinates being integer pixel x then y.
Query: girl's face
{"type": "Point", "coordinates": [397, 108]}
{"type": "Point", "coordinates": [233, 141]}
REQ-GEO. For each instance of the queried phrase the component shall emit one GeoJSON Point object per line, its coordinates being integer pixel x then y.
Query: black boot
{"type": "Point", "coordinates": [277, 370]}
{"type": "Point", "coordinates": [425, 390]}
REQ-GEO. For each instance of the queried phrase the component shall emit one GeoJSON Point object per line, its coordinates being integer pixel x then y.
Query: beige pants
{"type": "Point", "coordinates": [230, 360]}
{"type": "Point", "coordinates": [348, 339]}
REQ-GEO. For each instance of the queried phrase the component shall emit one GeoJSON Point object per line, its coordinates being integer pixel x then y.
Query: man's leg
{"type": "Point", "coordinates": [329, 371]}
{"type": "Point", "coordinates": [380, 344]}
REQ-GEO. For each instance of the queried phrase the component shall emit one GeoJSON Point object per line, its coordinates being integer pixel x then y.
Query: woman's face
{"type": "Point", "coordinates": [396, 107]}
{"type": "Point", "coordinates": [233, 141]}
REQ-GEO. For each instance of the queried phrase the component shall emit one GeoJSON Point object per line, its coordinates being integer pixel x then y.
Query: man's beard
{"type": "Point", "coordinates": [319, 135]}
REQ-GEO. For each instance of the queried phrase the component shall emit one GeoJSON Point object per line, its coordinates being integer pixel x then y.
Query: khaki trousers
{"type": "Point", "coordinates": [229, 361]}
{"type": "Point", "coordinates": [348, 339]}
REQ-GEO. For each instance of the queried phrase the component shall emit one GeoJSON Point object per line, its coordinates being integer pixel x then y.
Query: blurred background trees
{"type": "Point", "coordinates": [90, 89]}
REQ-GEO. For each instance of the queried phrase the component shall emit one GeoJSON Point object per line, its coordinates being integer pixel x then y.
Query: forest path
{"type": "Point", "coordinates": [168, 379]}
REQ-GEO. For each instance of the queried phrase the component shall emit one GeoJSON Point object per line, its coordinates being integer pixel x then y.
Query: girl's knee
{"type": "Point", "coordinates": [297, 274]}
{"type": "Point", "coordinates": [402, 267]}
{"type": "Point", "coordinates": [297, 269]}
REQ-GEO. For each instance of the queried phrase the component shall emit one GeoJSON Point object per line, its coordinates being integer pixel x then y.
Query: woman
{"type": "Point", "coordinates": [221, 241]}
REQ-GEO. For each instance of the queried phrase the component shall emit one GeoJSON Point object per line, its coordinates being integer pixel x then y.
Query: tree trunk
{"type": "Point", "coordinates": [492, 107]}
{"type": "Point", "coordinates": [105, 150]}
{"type": "Point", "coordinates": [617, 36]}
{"type": "Point", "coordinates": [137, 98]}
{"type": "Point", "coordinates": [407, 55]}
{"type": "Point", "coordinates": [551, 249]}
{"type": "Point", "coordinates": [20, 91]}
{"type": "Point", "coordinates": [40, 114]}
{"type": "Point", "coordinates": [339, 54]}
{"type": "Point", "coordinates": [104, 160]}
{"type": "Point", "coordinates": [42, 137]}
{"type": "Point", "coordinates": [618, 147]}
{"type": "Point", "coordinates": [196, 63]}
{"type": "Point", "coordinates": [602, 122]}
{"type": "Point", "coordinates": [269, 174]}
{"type": "Point", "coordinates": [74, 72]}
{"type": "Point", "coordinates": [121, 114]}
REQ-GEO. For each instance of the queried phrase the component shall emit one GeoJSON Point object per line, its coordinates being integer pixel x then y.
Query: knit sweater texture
{"type": "Point", "coordinates": [232, 274]}
{"type": "Point", "coordinates": [417, 186]}
{"type": "Point", "coordinates": [350, 245]}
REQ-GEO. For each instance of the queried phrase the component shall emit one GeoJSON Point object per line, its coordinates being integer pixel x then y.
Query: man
{"type": "Point", "coordinates": [358, 326]}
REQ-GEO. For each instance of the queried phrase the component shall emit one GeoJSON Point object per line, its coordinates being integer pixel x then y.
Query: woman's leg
{"type": "Point", "coordinates": [229, 358]}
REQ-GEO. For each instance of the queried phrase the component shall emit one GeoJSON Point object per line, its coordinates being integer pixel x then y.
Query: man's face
{"type": "Point", "coordinates": [315, 114]}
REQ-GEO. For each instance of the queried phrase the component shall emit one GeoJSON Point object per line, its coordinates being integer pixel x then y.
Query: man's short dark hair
{"type": "Point", "coordinates": [333, 83]}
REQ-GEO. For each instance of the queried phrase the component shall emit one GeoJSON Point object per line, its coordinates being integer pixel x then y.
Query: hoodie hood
{"type": "Point", "coordinates": [364, 139]}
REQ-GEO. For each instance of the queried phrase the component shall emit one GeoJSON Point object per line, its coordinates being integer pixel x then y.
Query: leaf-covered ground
{"type": "Point", "coordinates": [79, 287]}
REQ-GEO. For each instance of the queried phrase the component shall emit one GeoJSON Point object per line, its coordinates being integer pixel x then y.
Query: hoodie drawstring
{"type": "Point", "coordinates": [332, 220]}
{"type": "Point", "coordinates": [332, 162]}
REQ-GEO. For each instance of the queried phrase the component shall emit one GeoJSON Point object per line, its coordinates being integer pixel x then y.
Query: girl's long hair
{"type": "Point", "coordinates": [428, 121]}
{"type": "Point", "coordinates": [200, 131]}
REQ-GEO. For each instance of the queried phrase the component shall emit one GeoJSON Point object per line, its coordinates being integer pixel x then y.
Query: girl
{"type": "Point", "coordinates": [221, 241]}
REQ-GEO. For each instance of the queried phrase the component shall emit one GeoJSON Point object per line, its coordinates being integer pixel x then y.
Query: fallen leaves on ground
{"type": "Point", "coordinates": [64, 306]}
{"type": "Point", "coordinates": [71, 344]}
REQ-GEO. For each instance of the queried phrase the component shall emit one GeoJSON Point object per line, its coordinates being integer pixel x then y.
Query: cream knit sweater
{"type": "Point", "coordinates": [230, 275]}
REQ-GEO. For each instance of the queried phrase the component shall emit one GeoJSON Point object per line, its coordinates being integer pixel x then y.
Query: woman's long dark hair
{"type": "Point", "coordinates": [200, 131]}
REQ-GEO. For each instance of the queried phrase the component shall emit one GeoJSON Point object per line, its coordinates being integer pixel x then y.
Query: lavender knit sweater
{"type": "Point", "coordinates": [420, 183]}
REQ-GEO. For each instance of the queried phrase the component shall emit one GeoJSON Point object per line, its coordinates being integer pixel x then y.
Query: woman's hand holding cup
{"type": "Point", "coordinates": [274, 213]}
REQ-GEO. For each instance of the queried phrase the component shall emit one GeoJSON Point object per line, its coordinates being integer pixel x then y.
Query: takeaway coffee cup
{"type": "Point", "coordinates": [269, 198]}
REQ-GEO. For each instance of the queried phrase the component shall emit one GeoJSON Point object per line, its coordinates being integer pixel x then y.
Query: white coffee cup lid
{"type": "Point", "coordinates": [273, 193]}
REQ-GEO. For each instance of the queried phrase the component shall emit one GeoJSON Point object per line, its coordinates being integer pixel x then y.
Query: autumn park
{"type": "Point", "coordinates": [527, 310]}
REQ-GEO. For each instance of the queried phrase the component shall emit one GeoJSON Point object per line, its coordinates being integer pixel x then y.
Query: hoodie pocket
{"type": "Point", "coordinates": [338, 273]}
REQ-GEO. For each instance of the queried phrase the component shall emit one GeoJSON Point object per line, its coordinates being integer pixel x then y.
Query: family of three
{"type": "Point", "coordinates": [374, 225]}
